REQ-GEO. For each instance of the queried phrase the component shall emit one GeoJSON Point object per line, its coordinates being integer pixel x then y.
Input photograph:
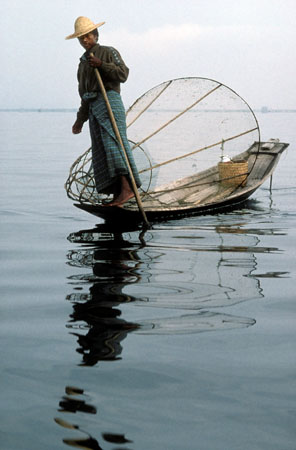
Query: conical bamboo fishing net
{"type": "Point", "coordinates": [177, 129]}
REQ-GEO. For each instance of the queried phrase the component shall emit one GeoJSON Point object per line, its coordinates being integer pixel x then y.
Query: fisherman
{"type": "Point", "coordinates": [110, 168]}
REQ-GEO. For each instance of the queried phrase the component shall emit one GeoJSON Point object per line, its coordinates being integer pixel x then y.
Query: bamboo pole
{"type": "Point", "coordinates": [149, 104]}
{"type": "Point", "coordinates": [117, 134]}
{"type": "Point", "coordinates": [177, 116]}
{"type": "Point", "coordinates": [199, 150]}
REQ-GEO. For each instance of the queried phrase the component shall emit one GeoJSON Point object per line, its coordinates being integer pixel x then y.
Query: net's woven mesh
{"type": "Point", "coordinates": [80, 185]}
{"type": "Point", "coordinates": [176, 130]}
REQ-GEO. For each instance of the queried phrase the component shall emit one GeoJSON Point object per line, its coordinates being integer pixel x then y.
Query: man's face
{"type": "Point", "coordinates": [88, 40]}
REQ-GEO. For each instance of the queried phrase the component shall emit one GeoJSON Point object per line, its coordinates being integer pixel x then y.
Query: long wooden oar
{"type": "Point", "coordinates": [117, 134]}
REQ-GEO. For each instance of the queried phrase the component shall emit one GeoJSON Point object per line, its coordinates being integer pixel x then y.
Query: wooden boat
{"type": "Point", "coordinates": [204, 193]}
{"type": "Point", "coordinates": [178, 132]}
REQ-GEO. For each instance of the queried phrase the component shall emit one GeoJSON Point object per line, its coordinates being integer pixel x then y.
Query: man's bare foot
{"type": "Point", "coordinates": [124, 195]}
{"type": "Point", "coordinates": [121, 199]}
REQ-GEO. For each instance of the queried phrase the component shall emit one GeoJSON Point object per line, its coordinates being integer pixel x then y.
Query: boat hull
{"type": "Point", "coordinates": [266, 159]}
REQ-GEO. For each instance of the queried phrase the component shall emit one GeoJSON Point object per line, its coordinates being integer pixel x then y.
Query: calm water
{"type": "Point", "coordinates": [182, 337]}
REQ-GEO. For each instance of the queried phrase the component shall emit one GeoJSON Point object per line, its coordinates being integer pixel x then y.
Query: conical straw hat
{"type": "Point", "coordinates": [82, 26]}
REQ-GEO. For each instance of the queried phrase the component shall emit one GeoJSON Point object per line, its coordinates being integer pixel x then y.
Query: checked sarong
{"type": "Point", "coordinates": [107, 156]}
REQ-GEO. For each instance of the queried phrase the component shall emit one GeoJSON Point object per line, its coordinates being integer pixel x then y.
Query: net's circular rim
{"type": "Point", "coordinates": [165, 84]}
{"type": "Point", "coordinates": [168, 82]}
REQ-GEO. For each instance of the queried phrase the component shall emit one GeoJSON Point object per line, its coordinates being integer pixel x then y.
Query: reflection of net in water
{"type": "Point", "coordinates": [176, 130]}
{"type": "Point", "coordinates": [193, 323]}
{"type": "Point", "coordinates": [166, 277]}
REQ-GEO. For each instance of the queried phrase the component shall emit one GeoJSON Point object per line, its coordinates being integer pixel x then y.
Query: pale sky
{"type": "Point", "coordinates": [248, 45]}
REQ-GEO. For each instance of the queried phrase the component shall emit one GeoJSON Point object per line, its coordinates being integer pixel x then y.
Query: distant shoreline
{"type": "Point", "coordinates": [38, 109]}
{"type": "Point", "coordinates": [71, 110]}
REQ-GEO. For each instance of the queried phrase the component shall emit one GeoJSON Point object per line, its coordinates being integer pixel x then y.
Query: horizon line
{"type": "Point", "coordinates": [262, 109]}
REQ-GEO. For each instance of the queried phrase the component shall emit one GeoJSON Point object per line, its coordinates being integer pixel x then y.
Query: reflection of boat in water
{"type": "Point", "coordinates": [145, 270]}
{"type": "Point", "coordinates": [179, 132]}
{"type": "Point", "coordinates": [112, 277]}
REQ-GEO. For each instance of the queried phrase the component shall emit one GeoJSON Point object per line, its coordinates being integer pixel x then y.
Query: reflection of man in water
{"type": "Point", "coordinates": [102, 343]}
{"type": "Point", "coordinates": [106, 330]}
{"type": "Point", "coordinates": [115, 266]}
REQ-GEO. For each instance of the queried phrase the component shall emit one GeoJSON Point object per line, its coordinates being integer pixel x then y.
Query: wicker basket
{"type": "Point", "coordinates": [233, 173]}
